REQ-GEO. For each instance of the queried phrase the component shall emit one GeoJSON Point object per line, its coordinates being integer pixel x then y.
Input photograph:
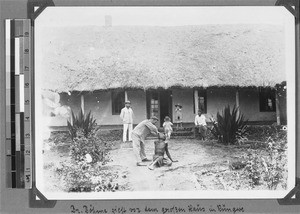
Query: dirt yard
{"type": "Point", "coordinates": [202, 165]}
{"type": "Point", "coordinates": [193, 157]}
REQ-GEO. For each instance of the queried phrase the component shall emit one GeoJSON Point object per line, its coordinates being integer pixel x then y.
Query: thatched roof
{"type": "Point", "coordinates": [99, 58]}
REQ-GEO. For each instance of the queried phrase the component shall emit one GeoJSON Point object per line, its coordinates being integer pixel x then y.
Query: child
{"type": "Point", "coordinates": [178, 115]}
{"type": "Point", "coordinates": [161, 147]}
{"type": "Point", "coordinates": [168, 127]}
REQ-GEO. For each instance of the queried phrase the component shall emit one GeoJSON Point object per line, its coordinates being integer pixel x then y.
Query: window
{"type": "Point", "coordinates": [267, 100]}
{"type": "Point", "coordinates": [202, 101]}
{"type": "Point", "coordinates": [117, 99]}
{"type": "Point", "coordinates": [154, 110]}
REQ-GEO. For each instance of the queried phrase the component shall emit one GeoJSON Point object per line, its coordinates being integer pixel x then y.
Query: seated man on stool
{"type": "Point", "coordinates": [200, 125]}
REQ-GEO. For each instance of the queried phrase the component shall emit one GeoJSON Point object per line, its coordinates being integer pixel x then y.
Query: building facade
{"type": "Point", "coordinates": [258, 105]}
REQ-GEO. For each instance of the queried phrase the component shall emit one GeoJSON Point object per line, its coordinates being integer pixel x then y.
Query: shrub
{"type": "Point", "coordinates": [268, 166]}
{"type": "Point", "coordinates": [254, 168]}
{"type": "Point", "coordinates": [61, 141]}
{"type": "Point", "coordinates": [85, 140]}
{"type": "Point", "coordinates": [88, 153]}
{"type": "Point", "coordinates": [75, 177]}
{"type": "Point", "coordinates": [80, 176]}
{"type": "Point", "coordinates": [81, 122]}
{"type": "Point", "coordinates": [89, 145]}
{"type": "Point", "coordinates": [263, 132]}
{"type": "Point", "coordinates": [229, 126]}
{"type": "Point", "coordinates": [275, 164]}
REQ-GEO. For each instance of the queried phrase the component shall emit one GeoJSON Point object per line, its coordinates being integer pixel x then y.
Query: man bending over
{"type": "Point", "coordinates": [139, 134]}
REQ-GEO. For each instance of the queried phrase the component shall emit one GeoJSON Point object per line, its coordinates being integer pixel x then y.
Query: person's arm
{"type": "Point", "coordinates": [152, 128]}
{"type": "Point", "coordinates": [168, 153]}
{"type": "Point", "coordinates": [122, 114]}
{"type": "Point", "coordinates": [196, 122]}
{"type": "Point", "coordinates": [205, 120]}
{"type": "Point", "coordinates": [132, 114]}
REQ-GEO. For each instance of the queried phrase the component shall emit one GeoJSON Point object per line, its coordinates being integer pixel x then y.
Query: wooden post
{"type": "Point", "coordinates": [196, 98]}
{"type": "Point", "coordinates": [70, 116]}
{"type": "Point", "coordinates": [237, 102]}
{"type": "Point", "coordinates": [82, 103]}
{"type": "Point", "coordinates": [126, 96]}
{"type": "Point", "coordinates": [277, 108]}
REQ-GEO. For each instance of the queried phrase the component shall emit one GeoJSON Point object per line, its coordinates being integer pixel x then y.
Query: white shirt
{"type": "Point", "coordinates": [168, 126]}
{"type": "Point", "coordinates": [145, 128]}
{"type": "Point", "coordinates": [126, 115]}
{"type": "Point", "coordinates": [200, 120]}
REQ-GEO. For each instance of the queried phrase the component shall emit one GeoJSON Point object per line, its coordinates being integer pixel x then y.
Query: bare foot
{"type": "Point", "coordinates": [140, 164]}
{"type": "Point", "coordinates": [151, 167]}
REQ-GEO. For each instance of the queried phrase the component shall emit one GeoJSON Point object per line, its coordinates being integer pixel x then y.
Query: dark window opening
{"type": "Point", "coordinates": [117, 99]}
{"type": "Point", "coordinates": [267, 101]}
{"type": "Point", "coordinates": [202, 101]}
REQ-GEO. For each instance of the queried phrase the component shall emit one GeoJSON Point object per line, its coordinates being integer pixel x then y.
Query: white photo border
{"type": "Point", "coordinates": [251, 194]}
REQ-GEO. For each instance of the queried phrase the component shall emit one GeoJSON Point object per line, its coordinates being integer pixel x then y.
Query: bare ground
{"type": "Point", "coordinates": [199, 163]}
{"type": "Point", "coordinates": [202, 166]}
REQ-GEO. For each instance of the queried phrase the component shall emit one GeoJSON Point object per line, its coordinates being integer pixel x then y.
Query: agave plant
{"type": "Point", "coordinates": [229, 126]}
{"type": "Point", "coordinates": [81, 122]}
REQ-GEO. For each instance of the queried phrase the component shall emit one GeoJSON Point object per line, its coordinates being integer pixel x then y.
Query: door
{"type": "Point", "coordinates": [159, 104]}
{"type": "Point", "coordinates": [152, 104]}
{"type": "Point", "coordinates": [165, 107]}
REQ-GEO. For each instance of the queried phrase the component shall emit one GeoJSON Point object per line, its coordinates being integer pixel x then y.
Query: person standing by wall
{"type": "Point", "coordinates": [127, 119]}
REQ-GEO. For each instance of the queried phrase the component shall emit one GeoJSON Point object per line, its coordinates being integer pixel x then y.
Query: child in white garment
{"type": "Point", "coordinates": [168, 127]}
{"type": "Point", "coordinates": [178, 116]}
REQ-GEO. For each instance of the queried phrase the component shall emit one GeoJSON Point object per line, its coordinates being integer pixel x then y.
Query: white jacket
{"type": "Point", "coordinates": [126, 115]}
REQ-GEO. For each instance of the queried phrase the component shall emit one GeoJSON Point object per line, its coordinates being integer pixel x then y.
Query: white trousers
{"type": "Point", "coordinates": [138, 148]}
{"type": "Point", "coordinates": [127, 127]}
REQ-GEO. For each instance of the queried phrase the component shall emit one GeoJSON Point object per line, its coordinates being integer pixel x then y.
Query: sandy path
{"type": "Point", "coordinates": [137, 178]}
{"type": "Point", "coordinates": [193, 157]}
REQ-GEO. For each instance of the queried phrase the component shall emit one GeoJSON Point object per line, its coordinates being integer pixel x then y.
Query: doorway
{"type": "Point", "coordinates": [165, 108]}
{"type": "Point", "coordinates": [159, 104]}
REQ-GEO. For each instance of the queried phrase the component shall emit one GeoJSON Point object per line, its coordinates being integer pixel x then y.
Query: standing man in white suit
{"type": "Point", "coordinates": [127, 119]}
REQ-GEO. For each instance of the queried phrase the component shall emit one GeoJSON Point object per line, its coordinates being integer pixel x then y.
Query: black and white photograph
{"type": "Point", "coordinates": [164, 102]}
